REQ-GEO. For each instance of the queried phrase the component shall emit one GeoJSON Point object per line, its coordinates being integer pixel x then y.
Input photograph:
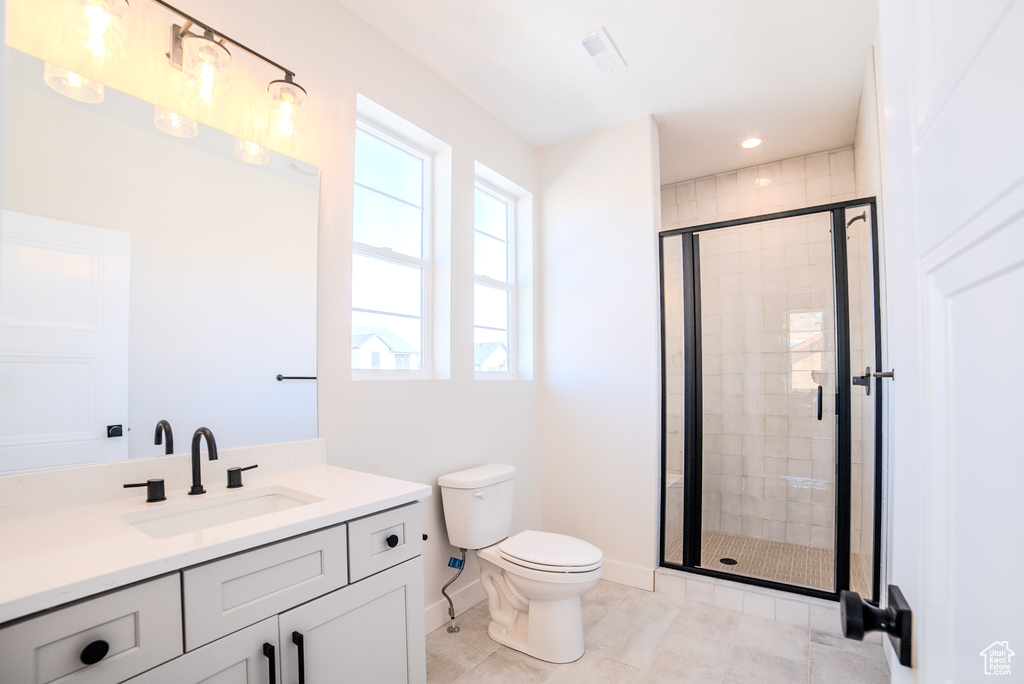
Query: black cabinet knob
{"type": "Point", "coordinates": [392, 541]}
{"type": "Point", "coordinates": [95, 652]}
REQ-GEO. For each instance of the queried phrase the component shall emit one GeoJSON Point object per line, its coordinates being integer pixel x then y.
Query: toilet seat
{"type": "Point", "coordinates": [550, 552]}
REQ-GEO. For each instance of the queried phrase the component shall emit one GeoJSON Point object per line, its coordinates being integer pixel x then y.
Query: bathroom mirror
{"type": "Point", "coordinates": [144, 278]}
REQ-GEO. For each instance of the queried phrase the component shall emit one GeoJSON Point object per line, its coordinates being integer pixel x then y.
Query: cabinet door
{"type": "Point", "coordinates": [369, 631]}
{"type": "Point", "coordinates": [239, 658]}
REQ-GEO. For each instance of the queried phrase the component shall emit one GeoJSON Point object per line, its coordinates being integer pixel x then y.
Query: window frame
{"type": "Point", "coordinates": [425, 264]}
{"type": "Point", "coordinates": [510, 287]}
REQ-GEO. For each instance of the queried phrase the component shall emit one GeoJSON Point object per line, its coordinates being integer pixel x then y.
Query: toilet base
{"type": "Point", "coordinates": [551, 631]}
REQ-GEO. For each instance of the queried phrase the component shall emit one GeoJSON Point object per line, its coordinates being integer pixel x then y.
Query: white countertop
{"type": "Point", "coordinates": [48, 559]}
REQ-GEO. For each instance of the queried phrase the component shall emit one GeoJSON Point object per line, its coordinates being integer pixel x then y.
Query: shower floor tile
{"type": "Point", "coordinates": [803, 566]}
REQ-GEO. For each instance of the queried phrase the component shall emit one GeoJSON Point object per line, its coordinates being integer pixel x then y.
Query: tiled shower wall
{"type": "Point", "coordinates": [752, 484]}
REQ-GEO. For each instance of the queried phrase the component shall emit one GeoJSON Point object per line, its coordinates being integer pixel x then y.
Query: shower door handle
{"type": "Point", "coordinates": [819, 402]}
{"type": "Point", "coordinates": [864, 380]}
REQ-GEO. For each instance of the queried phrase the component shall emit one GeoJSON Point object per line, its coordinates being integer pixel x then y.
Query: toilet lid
{"type": "Point", "coordinates": [546, 550]}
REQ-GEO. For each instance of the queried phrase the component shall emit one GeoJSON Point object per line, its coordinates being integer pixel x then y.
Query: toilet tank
{"type": "Point", "coordinates": [478, 505]}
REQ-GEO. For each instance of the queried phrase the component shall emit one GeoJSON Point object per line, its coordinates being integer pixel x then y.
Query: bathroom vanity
{"type": "Point", "coordinates": [317, 578]}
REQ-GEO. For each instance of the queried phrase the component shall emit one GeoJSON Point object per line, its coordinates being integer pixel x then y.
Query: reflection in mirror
{"type": "Point", "coordinates": [145, 277]}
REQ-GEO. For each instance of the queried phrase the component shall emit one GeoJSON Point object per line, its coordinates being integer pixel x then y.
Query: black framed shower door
{"type": "Point", "coordinates": [771, 440]}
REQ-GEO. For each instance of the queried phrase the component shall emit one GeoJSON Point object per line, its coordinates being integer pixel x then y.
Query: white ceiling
{"type": "Point", "coordinates": [711, 71]}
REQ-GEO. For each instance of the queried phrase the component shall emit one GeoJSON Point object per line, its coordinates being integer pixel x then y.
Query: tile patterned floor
{"type": "Point", "coordinates": [790, 563]}
{"type": "Point", "coordinates": [639, 637]}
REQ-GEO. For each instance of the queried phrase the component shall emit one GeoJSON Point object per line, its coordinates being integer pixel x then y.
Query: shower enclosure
{"type": "Point", "coordinates": [770, 402]}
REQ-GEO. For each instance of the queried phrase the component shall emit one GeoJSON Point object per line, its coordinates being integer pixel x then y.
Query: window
{"type": "Point", "coordinates": [494, 281]}
{"type": "Point", "coordinates": [391, 256]}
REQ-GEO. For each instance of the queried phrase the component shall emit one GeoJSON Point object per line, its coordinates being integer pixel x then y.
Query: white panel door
{"type": "Point", "coordinates": [953, 203]}
{"type": "Point", "coordinates": [63, 342]}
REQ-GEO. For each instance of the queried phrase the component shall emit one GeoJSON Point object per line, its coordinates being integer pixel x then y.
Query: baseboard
{"type": "Point", "coordinates": [436, 615]}
{"type": "Point", "coordinates": [630, 575]}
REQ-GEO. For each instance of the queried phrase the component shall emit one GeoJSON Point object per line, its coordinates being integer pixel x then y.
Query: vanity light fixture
{"type": "Point", "coordinates": [72, 85]}
{"type": "Point", "coordinates": [750, 143]}
{"type": "Point", "coordinates": [97, 28]}
{"type": "Point", "coordinates": [204, 59]}
{"type": "Point", "coordinates": [250, 152]}
{"type": "Point", "coordinates": [173, 123]}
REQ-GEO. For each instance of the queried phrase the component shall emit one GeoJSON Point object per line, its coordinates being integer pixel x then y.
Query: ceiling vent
{"type": "Point", "coordinates": [600, 52]}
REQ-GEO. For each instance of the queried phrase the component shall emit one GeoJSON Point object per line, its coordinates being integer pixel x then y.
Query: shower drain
{"type": "Point", "coordinates": [728, 561]}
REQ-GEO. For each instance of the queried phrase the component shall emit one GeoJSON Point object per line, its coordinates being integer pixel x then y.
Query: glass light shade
{"type": "Point", "coordinates": [205, 65]}
{"type": "Point", "coordinates": [174, 124]}
{"type": "Point", "coordinates": [287, 109]}
{"type": "Point", "coordinates": [73, 85]}
{"type": "Point", "coordinates": [250, 152]}
{"type": "Point", "coordinates": [97, 27]}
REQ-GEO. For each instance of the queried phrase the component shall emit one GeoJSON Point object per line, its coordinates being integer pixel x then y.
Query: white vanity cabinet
{"type": "Point", "coordinates": [352, 592]}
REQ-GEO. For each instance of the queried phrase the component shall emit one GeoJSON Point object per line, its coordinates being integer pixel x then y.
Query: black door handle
{"type": "Point", "coordinates": [819, 402]}
{"type": "Point", "coordinates": [299, 642]}
{"type": "Point", "coordinates": [859, 617]}
{"type": "Point", "coordinates": [268, 651]}
{"type": "Point", "coordinates": [392, 541]}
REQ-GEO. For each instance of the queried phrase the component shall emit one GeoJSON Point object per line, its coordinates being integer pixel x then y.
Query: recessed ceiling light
{"type": "Point", "coordinates": [750, 143]}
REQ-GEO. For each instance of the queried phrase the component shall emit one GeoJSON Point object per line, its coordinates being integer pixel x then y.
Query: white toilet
{"type": "Point", "coordinates": [533, 580]}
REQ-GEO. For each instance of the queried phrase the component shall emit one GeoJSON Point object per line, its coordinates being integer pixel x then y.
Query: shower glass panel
{"type": "Point", "coordinates": [767, 368]}
{"type": "Point", "coordinates": [672, 404]}
{"type": "Point", "coordinates": [865, 396]}
{"type": "Point", "coordinates": [771, 405]}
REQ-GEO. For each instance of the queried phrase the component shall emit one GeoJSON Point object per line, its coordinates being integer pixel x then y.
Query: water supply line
{"type": "Point", "coordinates": [452, 628]}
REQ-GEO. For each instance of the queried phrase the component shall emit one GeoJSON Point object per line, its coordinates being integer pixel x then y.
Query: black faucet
{"type": "Point", "coordinates": [211, 447]}
{"type": "Point", "coordinates": [164, 428]}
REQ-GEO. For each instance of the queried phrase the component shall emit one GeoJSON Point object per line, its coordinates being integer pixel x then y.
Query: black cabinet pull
{"type": "Point", "coordinates": [298, 641]}
{"type": "Point", "coordinates": [392, 541]}
{"type": "Point", "coordinates": [819, 402]}
{"type": "Point", "coordinates": [268, 651]}
{"type": "Point", "coordinates": [95, 652]}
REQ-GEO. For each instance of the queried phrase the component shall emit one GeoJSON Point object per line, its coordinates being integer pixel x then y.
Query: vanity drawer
{"type": "Point", "coordinates": [228, 594]}
{"type": "Point", "coordinates": [368, 548]}
{"type": "Point", "coordinates": [141, 626]}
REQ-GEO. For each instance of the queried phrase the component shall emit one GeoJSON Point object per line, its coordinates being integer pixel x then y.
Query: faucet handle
{"type": "Point", "coordinates": [235, 476]}
{"type": "Point", "coordinates": [154, 490]}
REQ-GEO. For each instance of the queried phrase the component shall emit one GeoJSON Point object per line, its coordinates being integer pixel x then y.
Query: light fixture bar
{"type": "Point", "coordinates": [289, 74]}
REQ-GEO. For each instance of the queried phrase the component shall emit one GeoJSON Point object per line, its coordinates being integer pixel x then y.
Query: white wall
{"type": "Point", "coordinates": [600, 403]}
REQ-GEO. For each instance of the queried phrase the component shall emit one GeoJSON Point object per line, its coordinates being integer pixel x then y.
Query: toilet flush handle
{"type": "Point", "coordinates": [480, 494]}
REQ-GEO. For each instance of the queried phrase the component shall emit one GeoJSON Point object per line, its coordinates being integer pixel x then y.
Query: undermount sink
{"type": "Point", "coordinates": [207, 511]}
